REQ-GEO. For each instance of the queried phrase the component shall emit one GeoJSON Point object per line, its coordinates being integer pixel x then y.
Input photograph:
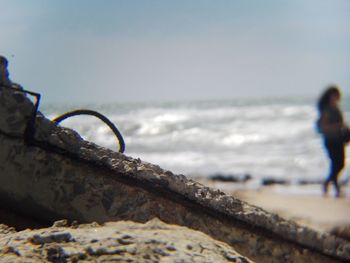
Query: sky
{"type": "Point", "coordinates": [168, 50]}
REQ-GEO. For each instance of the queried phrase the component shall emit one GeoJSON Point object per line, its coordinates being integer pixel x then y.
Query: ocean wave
{"type": "Point", "coordinates": [271, 138]}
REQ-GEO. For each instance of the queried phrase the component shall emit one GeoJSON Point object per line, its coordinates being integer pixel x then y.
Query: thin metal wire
{"type": "Point", "coordinates": [98, 115]}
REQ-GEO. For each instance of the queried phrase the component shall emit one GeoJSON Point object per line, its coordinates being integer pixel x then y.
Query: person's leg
{"type": "Point", "coordinates": [339, 165]}
{"type": "Point", "coordinates": [336, 154]}
{"type": "Point", "coordinates": [331, 154]}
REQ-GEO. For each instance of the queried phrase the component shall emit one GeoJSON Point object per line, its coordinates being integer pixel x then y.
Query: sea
{"type": "Point", "coordinates": [265, 138]}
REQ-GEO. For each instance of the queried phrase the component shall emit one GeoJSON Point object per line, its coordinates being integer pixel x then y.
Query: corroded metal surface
{"type": "Point", "coordinates": [59, 175]}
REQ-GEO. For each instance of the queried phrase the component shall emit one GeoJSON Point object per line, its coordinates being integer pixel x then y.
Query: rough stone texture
{"type": "Point", "coordinates": [59, 175]}
{"type": "Point", "coordinates": [342, 231]}
{"type": "Point", "coordinates": [123, 241]}
{"type": "Point", "coordinates": [5, 230]}
{"type": "Point", "coordinates": [15, 111]}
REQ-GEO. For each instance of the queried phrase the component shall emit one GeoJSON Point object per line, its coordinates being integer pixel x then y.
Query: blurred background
{"type": "Point", "coordinates": [199, 87]}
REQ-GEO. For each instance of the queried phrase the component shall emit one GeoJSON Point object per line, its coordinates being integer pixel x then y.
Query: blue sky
{"type": "Point", "coordinates": [156, 50]}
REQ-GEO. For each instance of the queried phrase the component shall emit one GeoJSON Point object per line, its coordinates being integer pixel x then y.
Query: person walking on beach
{"type": "Point", "coordinates": [335, 133]}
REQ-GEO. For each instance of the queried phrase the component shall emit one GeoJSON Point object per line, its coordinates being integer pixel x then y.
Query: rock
{"type": "Point", "coordinates": [233, 178]}
{"type": "Point", "coordinates": [51, 238]}
{"type": "Point", "coordinates": [16, 111]}
{"type": "Point", "coordinates": [4, 230]}
{"type": "Point", "coordinates": [271, 181]}
{"type": "Point", "coordinates": [342, 232]}
{"type": "Point", "coordinates": [307, 181]}
{"type": "Point", "coordinates": [60, 223]}
{"type": "Point", "coordinates": [122, 241]}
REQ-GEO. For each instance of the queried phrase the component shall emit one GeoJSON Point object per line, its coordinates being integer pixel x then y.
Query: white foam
{"type": "Point", "coordinates": [272, 138]}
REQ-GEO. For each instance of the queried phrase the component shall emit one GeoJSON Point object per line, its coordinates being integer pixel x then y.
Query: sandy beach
{"type": "Point", "coordinates": [321, 213]}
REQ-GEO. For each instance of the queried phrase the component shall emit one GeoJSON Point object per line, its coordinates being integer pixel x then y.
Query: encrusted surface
{"type": "Point", "coordinates": [123, 241]}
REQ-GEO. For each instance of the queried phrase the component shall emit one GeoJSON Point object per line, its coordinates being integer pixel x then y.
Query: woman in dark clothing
{"type": "Point", "coordinates": [335, 132]}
